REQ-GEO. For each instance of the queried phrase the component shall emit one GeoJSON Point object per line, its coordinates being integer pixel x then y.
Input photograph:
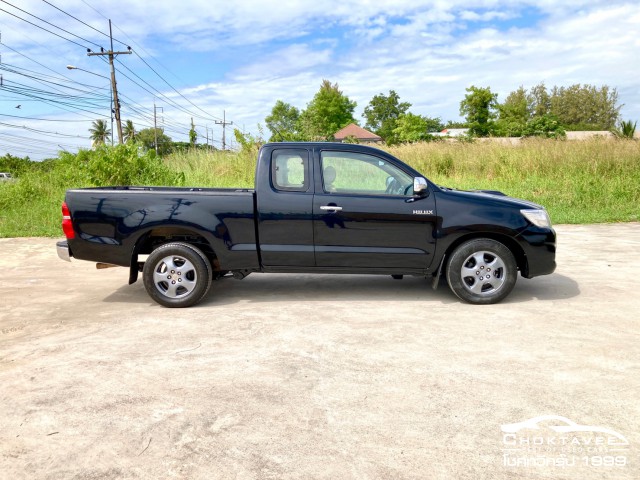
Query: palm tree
{"type": "Point", "coordinates": [626, 130]}
{"type": "Point", "coordinates": [99, 132]}
{"type": "Point", "coordinates": [129, 131]}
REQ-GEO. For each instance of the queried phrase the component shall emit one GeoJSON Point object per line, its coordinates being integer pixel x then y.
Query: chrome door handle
{"type": "Point", "coordinates": [331, 207]}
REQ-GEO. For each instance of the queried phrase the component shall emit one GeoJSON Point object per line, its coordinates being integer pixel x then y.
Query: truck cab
{"type": "Point", "coordinates": [334, 207]}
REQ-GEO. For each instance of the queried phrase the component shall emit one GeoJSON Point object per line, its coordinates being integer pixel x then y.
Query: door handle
{"type": "Point", "coordinates": [334, 208]}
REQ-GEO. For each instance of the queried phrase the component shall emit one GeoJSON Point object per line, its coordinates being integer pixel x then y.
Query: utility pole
{"type": "Point", "coordinates": [114, 88]}
{"type": "Point", "coordinates": [155, 125]}
{"type": "Point", "coordinates": [193, 136]}
{"type": "Point", "coordinates": [224, 124]}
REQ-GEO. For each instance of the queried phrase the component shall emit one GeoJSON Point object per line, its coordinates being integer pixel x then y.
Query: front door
{"type": "Point", "coordinates": [366, 216]}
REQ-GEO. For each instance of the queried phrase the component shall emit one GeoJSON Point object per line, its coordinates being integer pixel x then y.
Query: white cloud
{"type": "Point", "coordinates": [427, 51]}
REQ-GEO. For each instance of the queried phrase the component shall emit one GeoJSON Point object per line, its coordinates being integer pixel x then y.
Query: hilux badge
{"type": "Point", "coordinates": [423, 212]}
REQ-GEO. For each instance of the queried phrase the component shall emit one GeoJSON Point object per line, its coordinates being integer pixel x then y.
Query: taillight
{"type": "Point", "coordinates": [67, 226]}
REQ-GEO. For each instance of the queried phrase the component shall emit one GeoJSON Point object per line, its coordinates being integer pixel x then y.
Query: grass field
{"type": "Point", "coordinates": [579, 182]}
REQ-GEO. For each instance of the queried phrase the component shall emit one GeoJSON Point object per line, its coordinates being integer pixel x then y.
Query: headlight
{"type": "Point", "coordinates": [540, 218]}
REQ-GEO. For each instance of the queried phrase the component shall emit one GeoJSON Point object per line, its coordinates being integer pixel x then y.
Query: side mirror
{"type": "Point", "coordinates": [420, 187]}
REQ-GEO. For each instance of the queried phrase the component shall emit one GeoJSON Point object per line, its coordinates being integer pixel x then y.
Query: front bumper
{"type": "Point", "coordinates": [539, 246]}
{"type": "Point", "coordinates": [64, 253]}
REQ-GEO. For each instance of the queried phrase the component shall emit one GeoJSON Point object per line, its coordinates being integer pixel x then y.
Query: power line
{"type": "Point", "coordinates": [41, 119]}
{"type": "Point", "coordinates": [41, 95]}
{"type": "Point", "coordinates": [45, 95]}
{"type": "Point", "coordinates": [42, 28]}
{"type": "Point", "coordinates": [49, 23]}
{"type": "Point", "coordinates": [208, 115]}
{"type": "Point", "coordinates": [174, 89]}
{"type": "Point", "coordinates": [35, 141]}
{"type": "Point", "coordinates": [36, 62]}
{"type": "Point", "coordinates": [82, 22]}
{"type": "Point", "coordinates": [47, 145]}
{"type": "Point", "coordinates": [71, 96]}
{"type": "Point", "coordinates": [16, 70]}
{"type": "Point", "coordinates": [133, 42]}
{"type": "Point", "coordinates": [44, 132]}
{"type": "Point", "coordinates": [158, 92]}
{"type": "Point", "coordinates": [70, 80]}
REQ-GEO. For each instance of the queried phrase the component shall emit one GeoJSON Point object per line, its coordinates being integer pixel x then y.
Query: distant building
{"type": "Point", "coordinates": [587, 135]}
{"type": "Point", "coordinates": [354, 131]}
{"type": "Point", "coordinates": [452, 132]}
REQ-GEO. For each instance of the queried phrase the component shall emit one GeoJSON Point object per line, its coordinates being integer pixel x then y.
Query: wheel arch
{"type": "Point", "coordinates": [156, 236]}
{"type": "Point", "coordinates": [508, 241]}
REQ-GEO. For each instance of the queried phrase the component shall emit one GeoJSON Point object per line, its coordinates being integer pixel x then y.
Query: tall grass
{"type": "Point", "coordinates": [579, 182]}
{"type": "Point", "coordinates": [30, 205]}
{"type": "Point", "coordinates": [222, 169]}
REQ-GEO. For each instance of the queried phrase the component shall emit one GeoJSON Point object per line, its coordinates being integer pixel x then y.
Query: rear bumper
{"type": "Point", "coordinates": [64, 253]}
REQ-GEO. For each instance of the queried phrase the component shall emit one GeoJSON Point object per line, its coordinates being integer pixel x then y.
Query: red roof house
{"type": "Point", "coordinates": [359, 133]}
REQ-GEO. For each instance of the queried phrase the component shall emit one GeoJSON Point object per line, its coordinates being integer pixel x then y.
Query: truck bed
{"type": "Point", "coordinates": [113, 221]}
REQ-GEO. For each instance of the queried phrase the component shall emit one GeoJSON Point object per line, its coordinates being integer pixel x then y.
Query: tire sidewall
{"type": "Point", "coordinates": [461, 253]}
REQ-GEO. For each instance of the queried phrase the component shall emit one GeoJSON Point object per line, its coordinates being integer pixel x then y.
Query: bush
{"type": "Point", "coordinates": [546, 126]}
{"type": "Point", "coordinates": [123, 165]}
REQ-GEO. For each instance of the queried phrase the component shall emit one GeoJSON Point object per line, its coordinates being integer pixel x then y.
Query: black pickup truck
{"type": "Point", "coordinates": [317, 207]}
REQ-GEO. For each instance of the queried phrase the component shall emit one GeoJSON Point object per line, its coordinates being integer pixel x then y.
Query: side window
{"type": "Point", "coordinates": [290, 170]}
{"type": "Point", "coordinates": [357, 173]}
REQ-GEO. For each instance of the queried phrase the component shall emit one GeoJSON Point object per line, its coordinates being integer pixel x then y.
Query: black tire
{"type": "Point", "coordinates": [177, 275]}
{"type": "Point", "coordinates": [482, 271]}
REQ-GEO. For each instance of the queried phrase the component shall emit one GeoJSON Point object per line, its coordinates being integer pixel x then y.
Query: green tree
{"type": "Point", "coordinates": [456, 124]}
{"type": "Point", "coordinates": [538, 101]}
{"type": "Point", "coordinates": [284, 122]}
{"type": "Point", "coordinates": [148, 137]}
{"type": "Point", "coordinates": [519, 109]}
{"type": "Point", "coordinates": [329, 111]}
{"type": "Point", "coordinates": [516, 107]}
{"type": "Point", "coordinates": [479, 109]}
{"type": "Point", "coordinates": [382, 115]}
{"type": "Point", "coordinates": [249, 142]}
{"type": "Point", "coordinates": [99, 132]}
{"type": "Point", "coordinates": [129, 132]}
{"type": "Point", "coordinates": [514, 114]}
{"type": "Point", "coordinates": [586, 107]}
{"type": "Point", "coordinates": [414, 128]}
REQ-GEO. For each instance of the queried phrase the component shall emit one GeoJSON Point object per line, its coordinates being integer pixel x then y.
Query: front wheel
{"type": "Point", "coordinates": [177, 275]}
{"type": "Point", "coordinates": [482, 271]}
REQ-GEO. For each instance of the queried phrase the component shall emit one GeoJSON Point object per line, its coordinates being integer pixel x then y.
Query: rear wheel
{"type": "Point", "coordinates": [177, 275]}
{"type": "Point", "coordinates": [482, 271]}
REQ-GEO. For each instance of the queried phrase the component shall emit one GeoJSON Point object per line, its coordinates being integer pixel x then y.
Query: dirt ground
{"type": "Point", "coordinates": [333, 377]}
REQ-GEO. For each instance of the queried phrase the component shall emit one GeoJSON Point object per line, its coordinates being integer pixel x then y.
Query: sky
{"type": "Point", "coordinates": [209, 60]}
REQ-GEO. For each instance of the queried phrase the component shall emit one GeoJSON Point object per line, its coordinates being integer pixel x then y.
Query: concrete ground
{"type": "Point", "coordinates": [336, 377]}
